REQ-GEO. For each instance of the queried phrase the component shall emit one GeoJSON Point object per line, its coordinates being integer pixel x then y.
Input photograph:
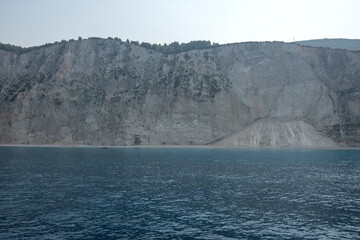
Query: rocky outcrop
{"type": "Point", "coordinates": [104, 92]}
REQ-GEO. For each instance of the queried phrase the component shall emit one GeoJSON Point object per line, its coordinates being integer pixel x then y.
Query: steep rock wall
{"type": "Point", "coordinates": [103, 92]}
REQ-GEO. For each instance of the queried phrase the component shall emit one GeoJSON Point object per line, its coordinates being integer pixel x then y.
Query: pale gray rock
{"type": "Point", "coordinates": [103, 92]}
{"type": "Point", "coordinates": [278, 133]}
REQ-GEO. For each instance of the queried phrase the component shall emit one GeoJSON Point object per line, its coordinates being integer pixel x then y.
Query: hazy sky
{"type": "Point", "coordinates": [35, 22]}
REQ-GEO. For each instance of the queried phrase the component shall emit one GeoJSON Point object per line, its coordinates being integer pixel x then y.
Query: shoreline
{"type": "Point", "coordinates": [176, 147]}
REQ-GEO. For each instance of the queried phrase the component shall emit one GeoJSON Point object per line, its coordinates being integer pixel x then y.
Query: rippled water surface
{"type": "Point", "coordinates": [72, 193]}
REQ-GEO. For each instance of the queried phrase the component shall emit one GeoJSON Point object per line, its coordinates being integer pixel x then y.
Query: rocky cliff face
{"type": "Point", "coordinates": [103, 92]}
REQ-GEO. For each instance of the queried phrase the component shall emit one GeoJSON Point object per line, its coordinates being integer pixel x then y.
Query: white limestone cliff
{"type": "Point", "coordinates": [103, 92]}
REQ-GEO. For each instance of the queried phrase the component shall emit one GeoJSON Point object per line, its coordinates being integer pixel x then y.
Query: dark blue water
{"type": "Point", "coordinates": [94, 193]}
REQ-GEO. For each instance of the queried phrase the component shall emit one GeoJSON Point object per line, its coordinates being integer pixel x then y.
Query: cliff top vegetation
{"type": "Point", "coordinates": [174, 47]}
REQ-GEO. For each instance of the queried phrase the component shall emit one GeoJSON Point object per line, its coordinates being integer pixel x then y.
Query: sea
{"type": "Point", "coordinates": [178, 193]}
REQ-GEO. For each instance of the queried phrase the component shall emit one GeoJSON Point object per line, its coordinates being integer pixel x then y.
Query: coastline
{"type": "Point", "coordinates": [176, 147]}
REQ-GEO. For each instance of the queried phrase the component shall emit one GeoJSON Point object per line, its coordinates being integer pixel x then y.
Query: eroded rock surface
{"type": "Point", "coordinates": [278, 133]}
{"type": "Point", "coordinates": [103, 92]}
